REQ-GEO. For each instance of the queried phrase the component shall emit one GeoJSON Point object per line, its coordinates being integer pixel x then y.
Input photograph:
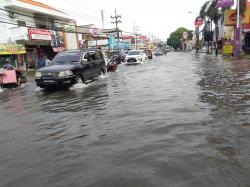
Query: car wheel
{"type": "Point", "coordinates": [79, 79]}
{"type": "Point", "coordinates": [23, 80]}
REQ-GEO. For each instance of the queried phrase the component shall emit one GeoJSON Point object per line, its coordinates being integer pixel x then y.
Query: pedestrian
{"type": "Point", "coordinates": [41, 62]}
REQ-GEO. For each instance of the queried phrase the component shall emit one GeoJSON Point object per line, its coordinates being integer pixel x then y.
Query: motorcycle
{"type": "Point", "coordinates": [111, 64]}
{"type": "Point", "coordinates": [8, 78]}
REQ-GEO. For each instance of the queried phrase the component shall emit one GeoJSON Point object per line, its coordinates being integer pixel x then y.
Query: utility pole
{"type": "Point", "coordinates": [102, 15]}
{"type": "Point", "coordinates": [117, 20]}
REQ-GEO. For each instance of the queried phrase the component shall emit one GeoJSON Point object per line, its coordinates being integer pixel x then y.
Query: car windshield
{"type": "Point", "coordinates": [134, 53]}
{"type": "Point", "coordinates": [67, 57]}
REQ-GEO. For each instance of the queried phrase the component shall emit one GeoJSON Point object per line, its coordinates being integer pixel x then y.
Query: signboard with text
{"type": "Point", "coordinates": [228, 48]}
{"type": "Point", "coordinates": [231, 17]}
{"type": "Point", "coordinates": [11, 49]}
{"type": "Point", "coordinates": [40, 34]}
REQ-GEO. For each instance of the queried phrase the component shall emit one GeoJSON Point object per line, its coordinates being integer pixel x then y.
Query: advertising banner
{"type": "Point", "coordinates": [57, 42]}
{"type": "Point", "coordinates": [40, 34]}
{"type": "Point", "coordinates": [228, 48]}
{"type": "Point", "coordinates": [111, 40]}
{"type": "Point", "coordinates": [231, 17]}
{"type": "Point", "coordinates": [224, 3]}
{"type": "Point", "coordinates": [12, 49]}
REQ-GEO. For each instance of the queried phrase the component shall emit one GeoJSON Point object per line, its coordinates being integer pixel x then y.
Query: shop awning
{"type": "Point", "coordinates": [12, 49]}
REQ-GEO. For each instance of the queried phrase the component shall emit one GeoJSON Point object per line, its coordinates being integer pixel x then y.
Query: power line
{"type": "Point", "coordinates": [25, 15]}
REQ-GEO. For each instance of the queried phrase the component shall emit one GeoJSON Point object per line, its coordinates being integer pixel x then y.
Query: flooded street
{"type": "Point", "coordinates": [180, 120]}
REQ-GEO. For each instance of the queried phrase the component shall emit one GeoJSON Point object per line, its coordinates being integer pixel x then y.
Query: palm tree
{"type": "Point", "coordinates": [211, 12]}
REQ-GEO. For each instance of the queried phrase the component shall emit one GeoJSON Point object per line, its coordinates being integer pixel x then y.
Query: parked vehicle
{"type": "Point", "coordinates": [8, 78]}
{"type": "Point", "coordinates": [158, 52]}
{"type": "Point", "coordinates": [71, 67]}
{"type": "Point", "coordinates": [135, 57]}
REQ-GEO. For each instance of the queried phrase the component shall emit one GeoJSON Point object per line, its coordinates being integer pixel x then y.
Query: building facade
{"type": "Point", "coordinates": [29, 29]}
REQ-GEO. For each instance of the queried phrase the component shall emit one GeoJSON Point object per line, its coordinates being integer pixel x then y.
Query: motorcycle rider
{"type": "Point", "coordinates": [8, 66]}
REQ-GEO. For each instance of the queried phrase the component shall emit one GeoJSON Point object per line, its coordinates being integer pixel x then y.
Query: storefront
{"type": "Point", "coordinates": [42, 42]}
{"type": "Point", "coordinates": [13, 52]}
{"type": "Point", "coordinates": [230, 26]}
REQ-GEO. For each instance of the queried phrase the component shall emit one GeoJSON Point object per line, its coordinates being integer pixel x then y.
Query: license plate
{"type": "Point", "coordinates": [48, 81]}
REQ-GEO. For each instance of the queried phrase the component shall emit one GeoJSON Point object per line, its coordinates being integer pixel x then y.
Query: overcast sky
{"type": "Point", "coordinates": [159, 17]}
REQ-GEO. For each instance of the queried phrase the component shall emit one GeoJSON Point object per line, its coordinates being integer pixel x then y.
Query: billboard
{"type": "Point", "coordinates": [231, 17]}
{"type": "Point", "coordinates": [40, 34]}
{"type": "Point", "coordinates": [10, 49]}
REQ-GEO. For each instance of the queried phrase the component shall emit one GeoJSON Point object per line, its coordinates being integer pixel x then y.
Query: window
{"type": "Point", "coordinates": [99, 55]}
{"type": "Point", "coordinates": [67, 57]}
{"type": "Point", "coordinates": [93, 56]}
{"type": "Point", "coordinates": [87, 56]}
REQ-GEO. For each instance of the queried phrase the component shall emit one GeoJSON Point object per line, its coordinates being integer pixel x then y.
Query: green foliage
{"type": "Point", "coordinates": [175, 37]}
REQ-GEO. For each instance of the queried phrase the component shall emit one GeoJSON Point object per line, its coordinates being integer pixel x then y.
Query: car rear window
{"type": "Point", "coordinates": [67, 57]}
{"type": "Point", "coordinates": [134, 53]}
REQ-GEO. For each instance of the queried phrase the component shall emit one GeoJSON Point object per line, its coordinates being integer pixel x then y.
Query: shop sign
{"type": "Point", "coordinates": [57, 39]}
{"type": "Point", "coordinates": [122, 45]}
{"type": "Point", "coordinates": [228, 48]}
{"type": "Point", "coordinates": [231, 17]}
{"type": "Point", "coordinates": [70, 28]}
{"type": "Point", "coordinates": [229, 32]}
{"type": "Point", "coordinates": [224, 3]}
{"type": "Point", "coordinates": [98, 43]}
{"type": "Point", "coordinates": [40, 34]}
{"type": "Point", "coordinates": [12, 49]}
{"type": "Point", "coordinates": [58, 49]}
{"type": "Point", "coordinates": [111, 39]}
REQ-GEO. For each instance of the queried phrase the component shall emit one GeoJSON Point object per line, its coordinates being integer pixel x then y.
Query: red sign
{"type": "Point", "coordinates": [40, 34]}
{"type": "Point", "coordinates": [58, 49]}
{"type": "Point", "coordinates": [198, 22]}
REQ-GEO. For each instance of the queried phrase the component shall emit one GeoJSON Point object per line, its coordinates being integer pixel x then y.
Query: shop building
{"type": "Point", "coordinates": [36, 28]}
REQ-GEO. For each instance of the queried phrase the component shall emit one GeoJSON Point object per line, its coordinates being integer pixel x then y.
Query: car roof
{"type": "Point", "coordinates": [80, 50]}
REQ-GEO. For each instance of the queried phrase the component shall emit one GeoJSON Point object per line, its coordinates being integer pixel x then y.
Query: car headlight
{"type": "Point", "coordinates": [38, 74]}
{"type": "Point", "coordinates": [65, 73]}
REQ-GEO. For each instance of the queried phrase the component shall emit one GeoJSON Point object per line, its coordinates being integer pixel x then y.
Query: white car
{"type": "Point", "coordinates": [135, 57]}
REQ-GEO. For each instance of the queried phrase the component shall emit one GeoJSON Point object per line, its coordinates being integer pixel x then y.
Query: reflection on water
{"type": "Point", "coordinates": [179, 120]}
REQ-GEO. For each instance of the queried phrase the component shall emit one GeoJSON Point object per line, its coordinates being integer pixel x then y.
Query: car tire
{"type": "Point", "coordinates": [79, 79]}
{"type": "Point", "coordinates": [23, 80]}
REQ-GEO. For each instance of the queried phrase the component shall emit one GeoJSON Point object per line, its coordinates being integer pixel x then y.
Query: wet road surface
{"type": "Point", "coordinates": [181, 120]}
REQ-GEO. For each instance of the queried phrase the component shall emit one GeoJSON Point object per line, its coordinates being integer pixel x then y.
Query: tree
{"type": "Point", "coordinates": [209, 11]}
{"type": "Point", "coordinates": [175, 37]}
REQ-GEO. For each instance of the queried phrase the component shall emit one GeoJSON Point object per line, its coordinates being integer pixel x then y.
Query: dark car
{"type": "Point", "coordinates": [158, 52]}
{"type": "Point", "coordinates": [71, 67]}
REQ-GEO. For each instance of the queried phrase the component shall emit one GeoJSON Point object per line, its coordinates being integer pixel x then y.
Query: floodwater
{"type": "Point", "coordinates": [180, 120]}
